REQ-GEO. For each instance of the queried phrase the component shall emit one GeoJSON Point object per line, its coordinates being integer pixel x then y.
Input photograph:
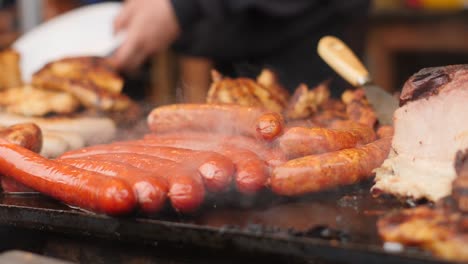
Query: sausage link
{"type": "Point", "coordinates": [216, 169]}
{"type": "Point", "coordinates": [186, 190]}
{"type": "Point", "coordinates": [300, 141]}
{"type": "Point", "coordinates": [73, 186]}
{"type": "Point", "coordinates": [26, 135]}
{"type": "Point", "coordinates": [251, 171]}
{"type": "Point", "coordinates": [151, 190]}
{"type": "Point", "coordinates": [273, 156]}
{"type": "Point", "coordinates": [225, 119]}
{"type": "Point", "coordinates": [320, 172]}
{"type": "Point", "coordinates": [269, 126]}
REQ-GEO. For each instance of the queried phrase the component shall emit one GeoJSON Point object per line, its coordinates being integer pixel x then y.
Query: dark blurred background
{"type": "Point", "coordinates": [403, 36]}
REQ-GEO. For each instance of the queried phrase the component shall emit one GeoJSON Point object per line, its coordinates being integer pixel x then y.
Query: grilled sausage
{"type": "Point", "coordinates": [73, 186]}
{"type": "Point", "coordinates": [27, 135]}
{"type": "Point", "coordinates": [273, 156]}
{"type": "Point", "coordinates": [216, 169]}
{"type": "Point", "coordinates": [320, 172]}
{"type": "Point", "coordinates": [186, 190]}
{"type": "Point", "coordinates": [151, 190]}
{"type": "Point", "coordinates": [301, 141]}
{"type": "Point", "coordinates": [269, 126]}
{"type": "Point", "coordinates": [251, 171]}
{"type": "Point", "coordinates": [225, 119]}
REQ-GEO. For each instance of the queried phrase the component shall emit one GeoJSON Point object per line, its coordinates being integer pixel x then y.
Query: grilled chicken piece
{"type": "Point", "coordinates": [429, 128]}
{"type": "Point", "coordinates": [29, 101]}
{"type": "Point", "coordinates": [358, 108]}
{"type": "Point", "coordinates": [305, 103]}
{"type": "Point", "coordinates": [90, 79]}
{"type": "Point", "coordinates": [9, 65]}
{"type": "Point", "coordinates": [245, 92]}
{"type": "Point", "coordinates": [270, 80]}
{"type": "Point", "coordinates": [441, 231]}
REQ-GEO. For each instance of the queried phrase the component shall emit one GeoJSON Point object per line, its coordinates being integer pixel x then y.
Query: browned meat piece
{"type": "Point", "coordinates": [430, 127]}
{"type": "Point", "coordinates": [245, 92]}
{"type": "Point", "coordinates": [333, 105]}
{"type": "Point", "coordinates": [441, 231]}
{"type": "Point", "coordinates": [327, 117]}
{"type": "Point", "coordinates": [29, 101]}
{"type": "Point", "coordinates": [270, 80]}
{"type": "Point", "coordinates": [304, 102]}
{"type": "Point", "coordinates": [358, 108]}
{"type": "Point", "coordinates": [90, 79]}
{"type": "Point", "coordinates": [11, 75]}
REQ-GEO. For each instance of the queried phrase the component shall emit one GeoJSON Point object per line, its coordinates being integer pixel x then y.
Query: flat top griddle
{"type": "Point", "coordinates": [336, 226]}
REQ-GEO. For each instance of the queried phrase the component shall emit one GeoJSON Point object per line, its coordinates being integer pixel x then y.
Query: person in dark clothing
{"type": "Point", "coordinates": [244, 36]}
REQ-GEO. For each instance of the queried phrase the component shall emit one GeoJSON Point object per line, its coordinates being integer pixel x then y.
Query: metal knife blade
{"type": "Point", "coordinates": [343, 60]}
{"type": "Point", "coordinates": [383, 103]}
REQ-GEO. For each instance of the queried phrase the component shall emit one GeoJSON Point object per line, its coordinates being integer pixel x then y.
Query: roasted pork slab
{"type": "Point", "coordinates": [430, 127]}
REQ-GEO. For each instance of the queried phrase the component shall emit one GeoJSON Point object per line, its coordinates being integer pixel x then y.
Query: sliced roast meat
{"type": "Point", "coordinates": [430, 127]}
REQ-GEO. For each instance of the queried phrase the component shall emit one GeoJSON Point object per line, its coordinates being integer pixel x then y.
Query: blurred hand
{"type": "Point", "coordinates": [150, 26]}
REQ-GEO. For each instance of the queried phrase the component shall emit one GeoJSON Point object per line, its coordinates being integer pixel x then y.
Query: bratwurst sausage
{"type": "Point", "coordinates": [186, 190]}
{"type": "Point", "coordinates": [73, 186]}
{"type": "Point", "coordinates": [216, 169]}
{"type": "Point", "coordinates": [151, 190]}
{"type": "Point", "coordinates": [251, 171]}
{"type": "Point", "coordinates": [196, 140]}
{"type": "Point", "coordinates": [320, 172]}
{"type": "Point", "coordinates": [224, 119]}
{"type": "Point", "coordinates": [301, 141]}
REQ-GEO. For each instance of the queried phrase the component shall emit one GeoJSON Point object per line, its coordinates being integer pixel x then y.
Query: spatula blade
{"type": "Point", "coordinates": [383, 103]}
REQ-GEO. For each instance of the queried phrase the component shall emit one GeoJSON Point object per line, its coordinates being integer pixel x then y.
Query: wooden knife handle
{"type": "Point", "coordinates": [343, 60]}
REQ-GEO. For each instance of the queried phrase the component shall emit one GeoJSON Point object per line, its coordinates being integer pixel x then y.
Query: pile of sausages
{"type": "Point", "coordinates": [199, 148]}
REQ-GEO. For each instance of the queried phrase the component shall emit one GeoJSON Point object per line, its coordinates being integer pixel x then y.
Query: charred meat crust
{"type": "Point", "coordinates": [428, 82]}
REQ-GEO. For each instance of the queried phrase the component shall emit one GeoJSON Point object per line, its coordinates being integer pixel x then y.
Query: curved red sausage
{"type": "Point", "coordinates": [272, 156]}
{"type": "Point", "coordinates": [73, 186]}
{"type": "Point", "coordinates": [27, 135]}
{"type": "Point", "coordinates": [320, 172]}
{"type": "Point", "coordinates": [251, 171]}
{"type": "Point", "coordinates": [224, 119]}
{"type": "Point", "coordinates": [216, 169]}
{"type": "Point", "coordinates": [186, 190]}
{"type": "Point", "coordinates": [151, 190]}
{"type": "Point", "coordinates": [269, 126]}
